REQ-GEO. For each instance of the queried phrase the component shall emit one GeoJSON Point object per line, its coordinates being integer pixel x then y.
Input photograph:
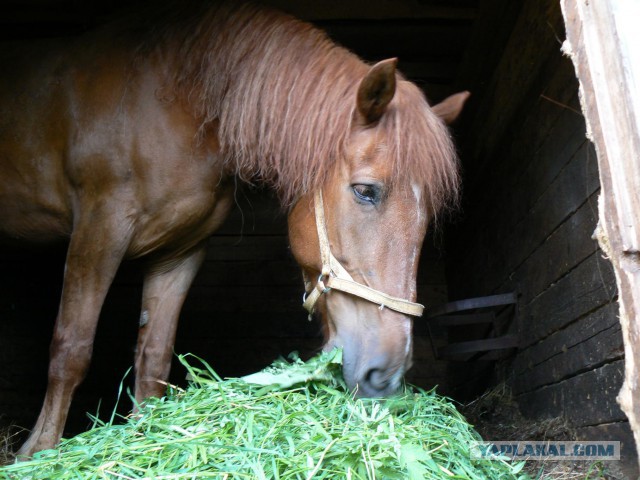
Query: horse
{"type": "Point", "coordinates": [129, 140]}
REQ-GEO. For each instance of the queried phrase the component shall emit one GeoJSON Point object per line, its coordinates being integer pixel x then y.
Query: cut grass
{"type": "Point", "coordinates": [294, 420]}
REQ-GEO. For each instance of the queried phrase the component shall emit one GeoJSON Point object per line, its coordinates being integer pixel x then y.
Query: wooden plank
{"type": "Point", "coordinates": [523, 185]}
{"type": "Point", "coordinates": [271, 298]}
{"type": "Point", "coordinates": [536, 163]}
{"type": "Point", "coordinates": [250, 273]}
{"type": "Point", "coordinates": [589, 286]}
{"type": "Point", "coordinates": [577, 181]}
{"type": "Point", "coordinates": [376, 9]}
{"type": "Point", "coordinates": [605, 44]}
{"type": "Point", "coordinates": [251, 299]}
{"type": "Point", "coordinates": [562, 251]}
{"type": "Point", "coordinates": [561, 341]}
{"type": "Point", "coordinates": [491, 30]}
{"type": "Point", "coordinates": [458, 320]}
{"type": "Point", "coordinates": [550, 116]}
{"type": "Point", "coordinates": [516, 242]}
{"type": "Point", "coordinates": [603, 347]}
{"type": "Point", "coordinates": [563, 140]}
{"type": "Point", "coordinates": [436, 70]}
{"type": "Point", "coordinates": [239, 356]}
{"type": "Point", "coordinates": [484, 345]}
{"type": "Point", "coordinates": [432, 295]}
{"type": "Point", "coordinates": [601, 37]}
{"type": "Point", "coordinates": [586, 399]}
{"type": "Point", "coordinates": [529, 47]}
{"type": "Point", "coordinates": [469, 380]}
{"type": "Point", "coordinates": [511, 174]}
{"type": "Point", "coordinates": [532, 123]}
{"type": "Point", "coordinates": [256, 212]}
{"type": "Point", "coordinates": [231, 325]}
{"type": "Point", "coordinates": [409, 40]}
{"type": "Point", "coordinates": [490, 301]}
{"type": "Point", "coordinates": [246, 248]}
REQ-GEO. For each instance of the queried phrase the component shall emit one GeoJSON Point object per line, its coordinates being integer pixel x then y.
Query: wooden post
{"type": "Point", "coordinates": [601, 43]}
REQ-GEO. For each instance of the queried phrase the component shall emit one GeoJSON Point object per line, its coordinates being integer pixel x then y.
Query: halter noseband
{"type": "Point", "coordinates": [335, 277]}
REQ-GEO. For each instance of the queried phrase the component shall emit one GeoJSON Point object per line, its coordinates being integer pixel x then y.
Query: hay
{"type": "Point", "coordinates": [8, 440]}
{"type": "Point", "coordinates": [292, 421]}
{"type": "Point", "coordinates": [496, 416]}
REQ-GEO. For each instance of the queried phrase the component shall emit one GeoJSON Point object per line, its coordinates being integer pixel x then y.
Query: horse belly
{"type": "Point", "coordinates": [38, 220]}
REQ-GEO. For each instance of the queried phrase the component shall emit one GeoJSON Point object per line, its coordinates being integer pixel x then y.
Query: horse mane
{"type": "Point", "coordinates": [282, 97]}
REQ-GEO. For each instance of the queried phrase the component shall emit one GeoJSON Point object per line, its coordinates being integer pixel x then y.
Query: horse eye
{"type": "Point", "coordinates": [366, 193]}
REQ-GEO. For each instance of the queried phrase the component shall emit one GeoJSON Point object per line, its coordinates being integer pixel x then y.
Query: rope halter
{"type": "Point", "coordinates": [335, 277]}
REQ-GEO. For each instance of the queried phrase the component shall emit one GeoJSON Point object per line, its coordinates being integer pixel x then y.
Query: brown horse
{"type": "Point", "coordinates": [128, 143]}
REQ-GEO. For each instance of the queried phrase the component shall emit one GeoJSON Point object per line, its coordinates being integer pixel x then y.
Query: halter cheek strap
{"type": "Point", "coordinates": [335, 277]}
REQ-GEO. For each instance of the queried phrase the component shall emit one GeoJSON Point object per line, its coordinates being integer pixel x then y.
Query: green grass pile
{"type": "Point", "coordinates": [294, 420]}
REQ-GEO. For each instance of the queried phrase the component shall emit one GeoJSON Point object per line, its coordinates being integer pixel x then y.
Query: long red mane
{"type": "Point", "coordinates": [283, 98]}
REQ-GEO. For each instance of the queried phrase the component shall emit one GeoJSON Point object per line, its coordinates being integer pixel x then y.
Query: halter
{"type": "Point", "coordinates": [335, 277]}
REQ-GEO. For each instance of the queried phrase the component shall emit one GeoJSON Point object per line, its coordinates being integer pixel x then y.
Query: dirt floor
{"type": "Point", "coordinates": [496, 416]}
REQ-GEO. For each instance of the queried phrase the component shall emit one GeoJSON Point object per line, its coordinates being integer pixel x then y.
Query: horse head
{"type": "Point", "coordinates": [373, 213]}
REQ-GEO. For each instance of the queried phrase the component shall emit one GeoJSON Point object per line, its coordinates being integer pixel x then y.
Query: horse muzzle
{"type": "Point", "coordinates": [372, 374]}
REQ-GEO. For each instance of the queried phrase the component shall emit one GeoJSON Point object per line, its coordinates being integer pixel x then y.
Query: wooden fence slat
{"type": "Point", "coordinates": [601, 36]}
{"type": "Point", "coordinates": [561, 252]}
{"type": "Point", "coordinates": [585, 288]}
{"type": "Point", "coordinates": [563, 340]}
{"type": "Point", "coordinates": [605, 346]}
{"type": "Point", "coordinates": [586, 399]}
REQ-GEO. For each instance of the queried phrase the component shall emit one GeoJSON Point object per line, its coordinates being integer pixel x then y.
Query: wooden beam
{"type": "Point", "coordinates": [374, 9]}
{"type": "Point", "coordinates": [600, 38]}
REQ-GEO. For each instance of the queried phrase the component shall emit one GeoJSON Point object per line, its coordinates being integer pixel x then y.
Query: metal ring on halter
{"type": "Point", "coordinates": [320, 282]}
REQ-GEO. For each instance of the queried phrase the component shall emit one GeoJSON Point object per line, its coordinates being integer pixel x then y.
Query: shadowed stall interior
{"type": "Point", "coordinates": [525, 224]}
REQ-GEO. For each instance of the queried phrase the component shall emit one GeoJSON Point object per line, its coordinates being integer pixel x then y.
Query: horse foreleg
{"type": "Point", "coordinates": [164, 292]}
{"type": "Point", "coordinates": [93, 257]}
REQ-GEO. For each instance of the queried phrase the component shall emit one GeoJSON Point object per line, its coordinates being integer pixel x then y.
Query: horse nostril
{"type": "Point", "coordinates": [377, 379]}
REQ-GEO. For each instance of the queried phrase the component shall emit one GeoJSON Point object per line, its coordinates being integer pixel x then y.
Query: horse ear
{"type": "Point", "coordinates": [376, 90]}
{"type": "Point", "coordinates": [449, 109]}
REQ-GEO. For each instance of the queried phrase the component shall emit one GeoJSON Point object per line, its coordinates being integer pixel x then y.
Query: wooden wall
{"type": "Point", "coordinates": [529, 212]}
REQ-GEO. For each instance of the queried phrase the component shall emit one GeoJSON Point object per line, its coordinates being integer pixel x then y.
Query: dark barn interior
{"type": "Point", "coordinates": [524, 226]}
